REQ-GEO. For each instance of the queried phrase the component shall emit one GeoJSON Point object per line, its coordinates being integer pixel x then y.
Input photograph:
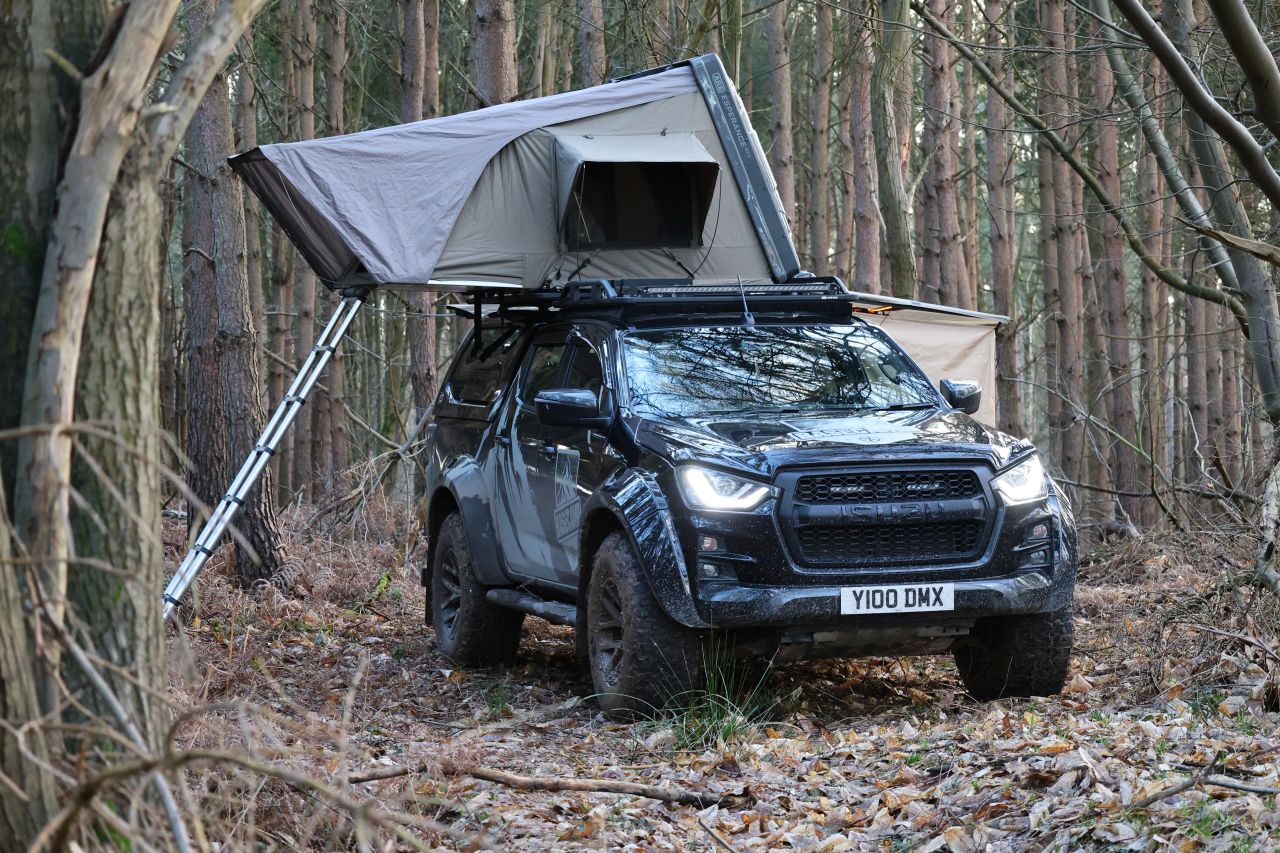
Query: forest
{"type": "Point", "coordinates": [1100, 172]}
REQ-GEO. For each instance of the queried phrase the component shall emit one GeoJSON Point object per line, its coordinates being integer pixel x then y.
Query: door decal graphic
{"type": "Point", "coordinates": [568, 502]}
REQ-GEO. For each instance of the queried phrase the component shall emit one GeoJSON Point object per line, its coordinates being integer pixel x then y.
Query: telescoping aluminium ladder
{"type": "Point", "coordinates": [265, 448]}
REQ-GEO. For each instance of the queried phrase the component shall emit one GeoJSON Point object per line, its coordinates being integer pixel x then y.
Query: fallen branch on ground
{"type": "Point", "coordinates": [537, 715]}
{"type": "Point", "coordinates": [542, 783]}
{"type": "Point", "coordinates": [1189, 782]}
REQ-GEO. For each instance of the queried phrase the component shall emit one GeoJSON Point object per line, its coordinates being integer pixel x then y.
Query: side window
{"type": "Point", "coordinates": [542, 370]}
{"type": "Point", "coordinates": [478, 373]}
{"type": "Point", "coordinates": [585, 370]}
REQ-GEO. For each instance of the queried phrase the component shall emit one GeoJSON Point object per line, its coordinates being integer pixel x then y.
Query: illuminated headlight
{"type": "Point", "coordinates": [704, 488]}
{"type": "Point", "coordinates": [1022, 483]}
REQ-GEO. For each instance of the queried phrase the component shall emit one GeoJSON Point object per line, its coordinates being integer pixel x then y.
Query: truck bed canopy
{"type": "Point", "coordinates": [657, 175]}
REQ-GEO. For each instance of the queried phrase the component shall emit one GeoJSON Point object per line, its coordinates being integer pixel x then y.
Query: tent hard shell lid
{"type": "Point", "coordinates": [654, 175]}
{"type": "Point", "coordinates": [645, 177]}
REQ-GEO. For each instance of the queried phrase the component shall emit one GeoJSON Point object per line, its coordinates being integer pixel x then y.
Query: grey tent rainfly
{"type": "Point", "coordinates": [654, 176]}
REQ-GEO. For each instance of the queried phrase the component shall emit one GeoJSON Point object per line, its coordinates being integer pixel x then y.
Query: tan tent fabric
{"type": "Point", "coordinates": [508, 230]}
{"type": "Point", "coordinates": [948, 346]}
{"type": "Point", "coordinates": [378, 206]}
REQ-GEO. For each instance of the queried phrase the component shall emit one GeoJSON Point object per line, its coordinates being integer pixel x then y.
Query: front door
{"type": "Point", "coordinates": [567, 479]}
{"type": "Point", "coordinates": [523, 456]}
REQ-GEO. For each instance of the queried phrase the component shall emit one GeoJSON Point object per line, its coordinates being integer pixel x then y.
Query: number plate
{"type": "Point", "coordinates": [898, 598]}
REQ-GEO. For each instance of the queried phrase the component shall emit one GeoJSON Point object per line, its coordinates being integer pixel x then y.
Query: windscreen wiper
{"type": "Point", "coordinates": [900, 407]}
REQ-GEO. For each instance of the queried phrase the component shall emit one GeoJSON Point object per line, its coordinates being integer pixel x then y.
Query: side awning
{"type": "Point", "coordinates": [621, 191]}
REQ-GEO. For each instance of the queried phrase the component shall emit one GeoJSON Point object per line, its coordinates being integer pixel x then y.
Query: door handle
{"type": "Point", "coordinates": [548, 452]}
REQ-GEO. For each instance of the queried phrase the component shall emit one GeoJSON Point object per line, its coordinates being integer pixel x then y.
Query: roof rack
{"type": "Point", "coordinates": [658, 296]}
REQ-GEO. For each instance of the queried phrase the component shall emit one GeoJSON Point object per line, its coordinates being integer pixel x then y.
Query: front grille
{"type": "Point", "coordinates": [887, 487]}
{"type": "Point", "coordinates": [949, 541]}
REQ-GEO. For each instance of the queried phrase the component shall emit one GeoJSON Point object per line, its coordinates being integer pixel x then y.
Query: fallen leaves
{"type": "Point", "coordinates": [857, 755]}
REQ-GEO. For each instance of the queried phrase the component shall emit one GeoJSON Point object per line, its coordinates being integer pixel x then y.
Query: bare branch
{"type": "Point", "coordinates": [1251, 154]}
{"type": "Point", "coordinates": [1134, 239]}
{"type": "Point", "coordinates": [1256, 61]}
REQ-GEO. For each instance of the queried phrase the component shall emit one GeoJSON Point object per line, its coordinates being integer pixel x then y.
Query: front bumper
{"type": "Point", "coordinates": [732, 605]}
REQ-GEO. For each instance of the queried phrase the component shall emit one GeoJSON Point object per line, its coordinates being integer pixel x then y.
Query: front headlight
{"type": "Point", "coordinates": [704, 488]}
{"type": "Point", "coordinates": [1023, 483]}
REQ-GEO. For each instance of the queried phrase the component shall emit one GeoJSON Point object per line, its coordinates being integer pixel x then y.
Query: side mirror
{"type": "Point", "coordinates": [961, 394]}
{"type": "Point", "coordinates": [571, 407]}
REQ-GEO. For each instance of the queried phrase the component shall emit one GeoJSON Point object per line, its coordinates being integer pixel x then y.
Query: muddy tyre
{"type": "Point", "coordinates": [640, 658]}
{"type": "Point", "coordinates": [470, 631]}
{"type": "Point", "coordinates": [1008, 656]}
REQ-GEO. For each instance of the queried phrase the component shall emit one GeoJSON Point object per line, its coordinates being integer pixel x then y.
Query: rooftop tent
{"type": "Point", "coordinates": [947, 343]}
{"type": "Point", "coordinates": [657, 175]}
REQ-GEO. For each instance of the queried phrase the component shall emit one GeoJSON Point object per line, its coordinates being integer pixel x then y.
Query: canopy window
{"type": "Point", "coordinates": [635, 191]}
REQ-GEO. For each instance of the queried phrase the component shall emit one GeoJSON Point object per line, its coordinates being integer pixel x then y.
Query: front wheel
{"type": "Point", "coordinates": [640, 658]}
{"type": "Point", "coordinates": [1008, 656]}
{"type": "Point", "coordinates": [470, 630]}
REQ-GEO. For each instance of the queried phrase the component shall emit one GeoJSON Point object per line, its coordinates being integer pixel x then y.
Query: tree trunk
{"type": "Point", "coordinates": [1195, 455]}
{"type": "Point", "coordinates": [895, 205]}
{"type": "Point", "coordinates": [335, 97]}
{"type": "Point", "coordinates": [843, 190]}
{"type": "Point", "coordinates": [420, 326]}
{"type": "Point", "coordinates": [304, 462]}
{"type": "Point", "coordinates": [284, 259]}
{"type": "Point", "coordinates": [820, 157]}
{"type": "Point", "coordinates": [119, 520]}
{"type": "Point", "coordinates": [224, 388]}
{"type": "Point", "coordinates": [431, 59]}
{"type": "Point", "coordinates": [1071, 246]}
{"type": "Point", "coordinates": [1052, 442]}
{"type": "Point", "coordinates": [1001, 181]}
{"type": "Point", "coordinates": [27, 805]}
{"type": "Point", "coordinates": [1113, 286]}
{"type": "Point", "coordinates": [494, 51]}
{"type": "Point", "coordinates": [1230, 446]}
{"type": "Point", "coordinates": [592, 64]}
{"type": "Point", "coordinates": [112, 101]}
{"type": "Point", "coordinates": [780, 139]}
{"type": "Point", "coordinates": [731, 24]}
{"type": "Point", "coordinates": [39, 103]}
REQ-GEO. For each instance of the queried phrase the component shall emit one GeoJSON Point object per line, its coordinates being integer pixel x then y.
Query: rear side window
{"type": "Point", "coordinates": [482, 364]}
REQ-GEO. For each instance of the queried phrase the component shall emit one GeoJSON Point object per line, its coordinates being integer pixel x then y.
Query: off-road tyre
{"type": "Point", "coordinates": [1016, 656]}
{"type": "Point", "coordinates": [470, 631]}
{"type": "Point", "coordinates": [640, 658]}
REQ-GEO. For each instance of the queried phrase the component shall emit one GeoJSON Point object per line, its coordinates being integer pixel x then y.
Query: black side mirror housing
{"type": "Point", "coordinates": [961, 394]}
{"type": "Point", "coordinates": [572, 407]}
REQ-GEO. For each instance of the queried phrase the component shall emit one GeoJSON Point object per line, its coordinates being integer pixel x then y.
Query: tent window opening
{"type": "Point", "coordinates": [628, 205]}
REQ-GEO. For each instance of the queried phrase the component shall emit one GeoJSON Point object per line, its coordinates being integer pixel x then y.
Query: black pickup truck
{"type": "Point", "coordinates": [652, 463]}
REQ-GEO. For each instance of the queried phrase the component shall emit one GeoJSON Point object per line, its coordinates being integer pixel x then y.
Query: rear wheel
{"type": "Point", "coordinates": [1007, 656]}
{"type": "Point", "coordinates": [469, 630]}
{"type": "Point", "coordinates": [640, 658]}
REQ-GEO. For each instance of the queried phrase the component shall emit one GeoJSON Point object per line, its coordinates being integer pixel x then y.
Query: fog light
{"type": "Point", "coordinates": [1035, 558]}
{"type": "Point", "coordinates": [1040, 531]}
{"type": "Point", "coordinates": [708, 571]}
{"type": "Point", "coordinates": [708, 543]}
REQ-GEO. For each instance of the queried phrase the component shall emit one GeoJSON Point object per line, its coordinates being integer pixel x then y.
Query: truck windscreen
{"type": "Point", "coordinates": [690, 372]}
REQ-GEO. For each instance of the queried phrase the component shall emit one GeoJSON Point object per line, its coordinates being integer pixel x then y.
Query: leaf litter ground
{"type": "Point", "coordinates": [338, 674]}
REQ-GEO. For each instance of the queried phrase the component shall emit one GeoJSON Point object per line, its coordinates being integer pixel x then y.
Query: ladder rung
{"type": "Point", "coordinates": [295, 398]}
{"type": "Point", "coordinates": [262, 448]}
{"type": "Point", "coordinates": [232, 499]}
{"type": "Point", "coordinates": [202, 550]}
